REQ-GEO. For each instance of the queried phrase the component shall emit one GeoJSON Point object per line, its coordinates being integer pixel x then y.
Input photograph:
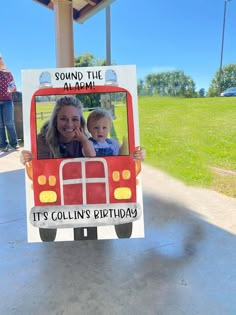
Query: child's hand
{"type": "Point", "coordinates": [139, 154]}
{"type": "Point", "coordinates": [25, 156]}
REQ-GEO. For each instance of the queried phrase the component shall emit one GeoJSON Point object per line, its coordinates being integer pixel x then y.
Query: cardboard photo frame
{"type": "Point", "coordinates": [83, 198]}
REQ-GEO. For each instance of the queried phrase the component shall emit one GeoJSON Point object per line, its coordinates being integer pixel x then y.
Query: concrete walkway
{"type": "Point", "coordinates": [185, 264]}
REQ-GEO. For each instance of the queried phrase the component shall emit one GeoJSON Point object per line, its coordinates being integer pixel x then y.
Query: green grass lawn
{"type": "Point", "coordinates": [185, 136]}
{"type": "Point", "coordinates": [43, 113]}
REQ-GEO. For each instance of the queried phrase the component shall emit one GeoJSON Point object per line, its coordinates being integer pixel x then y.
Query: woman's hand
{"type": "Point", "coordinates": [80, 135]}
{"type": "Point", "coordinates": [25, 156]}
{"type": "Point", "coordinates": [139, 154]}
{"type": "Point", "coordinates": [87, 147]}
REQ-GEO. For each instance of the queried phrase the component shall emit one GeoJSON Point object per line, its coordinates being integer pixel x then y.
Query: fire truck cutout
{"type": "Point", "coordinates": [85, 193]}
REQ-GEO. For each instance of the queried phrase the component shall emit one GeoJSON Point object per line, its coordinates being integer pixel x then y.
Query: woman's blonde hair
{"type": "Point", "coordinates": [49, 129]}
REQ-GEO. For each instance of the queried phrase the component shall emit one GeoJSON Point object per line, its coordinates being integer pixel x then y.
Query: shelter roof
{"type": "Point", "coordinates": [82, 9]}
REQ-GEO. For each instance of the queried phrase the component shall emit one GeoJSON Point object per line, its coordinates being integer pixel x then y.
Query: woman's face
{"type": "Point", "coordinates": [1, 63]}
{"type": "Point", "coordinates": [68, 120]}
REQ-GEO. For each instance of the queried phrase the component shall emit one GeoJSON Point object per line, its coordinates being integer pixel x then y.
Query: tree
{"type": "Point", "coordinates": [85, 60]}
{"type": "Point", "coordinates": [228, 79]}
{"type": "Point", "coordinates": [173, 83]}
{"type": "Point", "coordinates": [141, 87]}
{"type": "Point", "coordinates": [88, 60]}
{"type": "Point", "coordinates": [201, 92]}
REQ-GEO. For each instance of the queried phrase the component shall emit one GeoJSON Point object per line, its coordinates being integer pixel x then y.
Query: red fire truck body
{"type": "Point", "coordinates": [77, 184]}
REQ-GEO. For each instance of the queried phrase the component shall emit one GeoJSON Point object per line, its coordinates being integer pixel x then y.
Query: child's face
{"type": "Point", "coordinates": [99, 129]}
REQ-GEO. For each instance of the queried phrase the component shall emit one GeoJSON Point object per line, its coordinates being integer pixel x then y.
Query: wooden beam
{"type": "Point", "coordinates": [46, 3]}
{"type": "Point", "coordinates": [91, 2]}
{"type": "Point", "coordinates": [88, 10]}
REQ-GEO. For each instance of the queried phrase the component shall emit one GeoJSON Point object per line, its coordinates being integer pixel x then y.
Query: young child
{"type": "Point", "coordinates": [99, 124]}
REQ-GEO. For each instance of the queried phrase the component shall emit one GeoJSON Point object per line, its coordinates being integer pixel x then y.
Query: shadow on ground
{"type": "Point", "coordinates": [184, 265]}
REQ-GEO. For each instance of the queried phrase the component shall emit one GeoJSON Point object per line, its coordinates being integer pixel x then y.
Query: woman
{"type": "Point", "coordinates": [64, 134]}
{"type": "Point", "coordinates": [7, 86]}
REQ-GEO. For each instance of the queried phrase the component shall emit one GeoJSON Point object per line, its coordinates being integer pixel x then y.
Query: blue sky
{"type": "Point", "coordinates": [163, 36]}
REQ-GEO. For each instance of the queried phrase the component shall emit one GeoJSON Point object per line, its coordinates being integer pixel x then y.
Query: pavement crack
{"type": "Point", "coordinates": [10, 221]}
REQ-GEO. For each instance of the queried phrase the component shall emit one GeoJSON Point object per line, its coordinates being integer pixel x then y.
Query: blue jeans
{"type": "Point", "coordinates": [7, 120]}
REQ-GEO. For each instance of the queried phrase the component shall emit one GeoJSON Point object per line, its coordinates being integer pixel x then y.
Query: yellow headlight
{"type": "Point", "coordinates": [52, 180]}
{"type": "Point", "coordinates": [116, 176]}
{"type": "Point", "coordinates": [126, 174]}
{"type": "Point", "coordinates": [48, 196]}
{"type": "Point", "coordinates": [42, 180]}
{"type": "Point", "coordinates": [122, 193]}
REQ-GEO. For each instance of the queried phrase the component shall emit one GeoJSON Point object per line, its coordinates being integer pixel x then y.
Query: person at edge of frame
{"type": "Point", "coordinates": [7, 86]}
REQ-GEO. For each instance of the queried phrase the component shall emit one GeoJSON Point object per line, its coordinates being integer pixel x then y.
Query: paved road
{"type": "Point", "coordinates": [184, 265]}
